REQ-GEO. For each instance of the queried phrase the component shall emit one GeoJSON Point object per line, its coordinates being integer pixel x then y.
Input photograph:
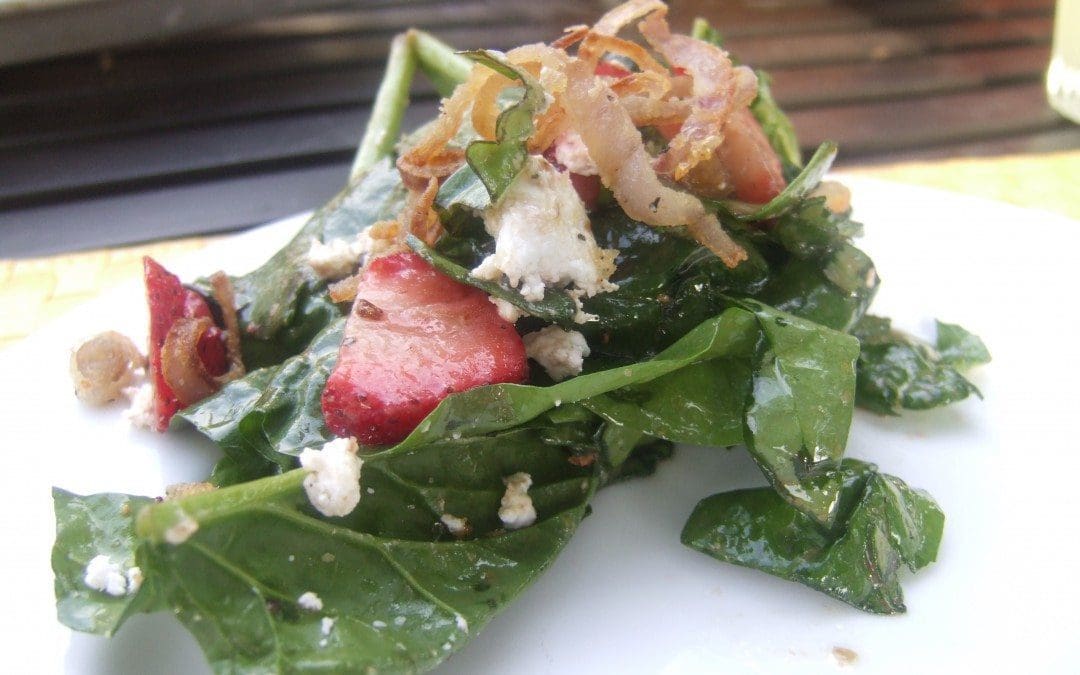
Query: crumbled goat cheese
{"type": "Point", "coordinates": [134, 579]}
{"type": "Point", "coordinates": [310, 602]}
{"type": "Point", "coordinates": [326, 625]}
{"type": "Point", "coordinates": [104, 575]}
{"type": "Point", "coordinates": [462, 623]}
{"type": "Point", "coordinates": [542, 237]}
{"type": "Point", "coordinates": [334, 260]}
{"type": "Point", "coordinates": [338, 258]}
{"type": "Point", "coordinates": [509, 313]}
{"type": "Point", "coordinates": [516, 509]}
{"type": "Point", "coordinates": [560, 352]}
{"type": "Point", "coordinates": [181, 530]}
{"type": "Point", "coordinates": [333, 486]}
{"type": "Point", "coordinates": [459, 527]}
{"type": "Point", "coordinates": [570, 151]}
{"type": "Point", "coordinates": [140, 411]}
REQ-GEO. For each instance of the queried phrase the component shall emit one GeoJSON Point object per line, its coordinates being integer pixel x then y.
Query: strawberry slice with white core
{"type": "Point", "coordinates": [414, 336]}
{"type": "Point", "coordinates": [170, 301]}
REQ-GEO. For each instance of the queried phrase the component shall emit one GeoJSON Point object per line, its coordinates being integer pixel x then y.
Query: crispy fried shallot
{"type": "Point", "coordinates": [621, 15]}
{"type": "Point", "coordinates": [181, 365]}
{"type": "Point", "coordinates": [418, 215]}
{"type": "Point", "coordinates": [615, 144]}
{"type": "Point", "coordinates": [103, 366]}
{"type": "Point", "coordinates": [718, 90]}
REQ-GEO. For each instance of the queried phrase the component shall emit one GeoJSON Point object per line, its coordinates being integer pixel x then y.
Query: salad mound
{"type": "Point", "coordinates": [602, 247]}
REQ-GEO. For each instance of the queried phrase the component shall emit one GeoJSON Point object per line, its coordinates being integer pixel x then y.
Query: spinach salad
{"type": "Point", "coordinates": [728, 307]}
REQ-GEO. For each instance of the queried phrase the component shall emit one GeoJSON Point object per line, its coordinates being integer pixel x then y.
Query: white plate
{"type": "Point", "coordinates": [626, 597]}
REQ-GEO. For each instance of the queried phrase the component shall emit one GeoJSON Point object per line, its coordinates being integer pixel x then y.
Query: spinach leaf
{"type": "Point", "coordinates": [283, 305]}
{"type": "Point", "coordinates": [960, 348]}
{"type": "Point", "coordinates": [397, 592]}
{"type": "Point", "coordinates": [776, 125]}
{"type": "Point", "coordinates": [555, 307]}
{"type": "Point", "coordinates": [835, 290]}
{"type": "Point", "coordinates": [883, 525]}
{"type": "Point", "coordinates": [87, 527]}
{"type": "Point", "coordinates": [497, 407]}
{"type": "Point", "coordinates": [498, 162]}
{"type": "Point", "coordinates": [282, 417]}
{"type": "Point", "coordinates": [699, 405]}
{"type": "Point", "coordinates": [897, 370]}
{"type": "Point", "coordinates": [263, 420]}
{"type": "Point", "coordinates": [802, 185]}
{"type": "Point", "coordinates": [800, 408]}
{"type": "Point", "coordinates": [463, 189]}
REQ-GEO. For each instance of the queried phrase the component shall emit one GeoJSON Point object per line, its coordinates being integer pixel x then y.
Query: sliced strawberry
{"type": "Point", "coordinates": [745, 160]}
{"type": "Point", "coordinates": [611, 69]}
{"type": "Point", "coordinates": [751, 163]}
{"type": "Point", "coordinates": [169, 300]}
{"type": "Point", "coordinates": [414, 336]}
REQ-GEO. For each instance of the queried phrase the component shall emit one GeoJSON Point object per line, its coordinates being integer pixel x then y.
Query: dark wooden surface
{"type": "Point", "coordinates": [225, 129]}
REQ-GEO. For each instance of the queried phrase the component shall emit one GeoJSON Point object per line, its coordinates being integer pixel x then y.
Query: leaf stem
{"type": "Point", "coordinates": [444, 67]}
{"type": "Point", "coordinates": [410, 49]}
{"type": "Point", "coordinates": [384, 126]}
{"type": "Point", "coordinates": [169, 521]}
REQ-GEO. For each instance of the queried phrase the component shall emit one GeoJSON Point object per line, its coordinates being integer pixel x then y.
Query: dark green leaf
{"type": "Point", "coordinates": [272, 413]}
{"type": "Point", "coordinates": [87, 527]}
{"type": "Point", "coordinates": [401, 593]}
{"type": "Point", "coordinates": [498, 162]}
{"type": "Point", "coordinates": [834, 291]}
{"type": "Point", "coordinates": [555, 307]}
{"type": "Point", "coordinates": [702, 404]}
{"type": "Point", "coordinates": [463, 189]}
{"type": "Point", "coordinates": [960, 348]}
{"type": "Point", "coordinates": [776, 125]}
{"type": "Point", "coordinates": [897, 371]}
{"type": "Point", "coordinates": [800, 408]}
{"type": "Point", "coordinates": [502, 406]}
{"type": "Point", "coordinates": [884, 525]}
{"type": "Point", "coordinates": [283, 305]}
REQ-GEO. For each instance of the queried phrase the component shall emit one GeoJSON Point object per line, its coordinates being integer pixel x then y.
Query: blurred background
{"type": "Point", "coordinates": [127, 121]}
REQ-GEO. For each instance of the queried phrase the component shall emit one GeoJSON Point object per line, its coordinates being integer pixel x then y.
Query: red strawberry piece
{"type": "Point", "coordinates": [751, 163]}
{"type": "Point", "coordinates": [611, 69]}
{"type": "Point", "coordinates": [169, 300]}
{"type": "Point", "coordinates": [414, 336]}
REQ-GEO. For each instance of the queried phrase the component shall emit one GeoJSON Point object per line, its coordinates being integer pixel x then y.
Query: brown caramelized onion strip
{"type": "Point", "coordinates": [181, 366]}
{"type": "Point", "coordinates": [625, 167]}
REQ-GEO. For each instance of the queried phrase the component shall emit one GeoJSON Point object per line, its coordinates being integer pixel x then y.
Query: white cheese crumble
{"type": "Point", "coordinates": [181, 530]}
{"type": "Point", "coordinates": [462, 623]}
{"type": "Point", "coordinates": [570, 151]}
{"type": "Point", "coordinates": [326, 625]}
{"type": "Point", "coordinates": [104, 575]}
{"type": "Point", "coordinates": [339, 258]}
{"type": "Point", "coordinates": [140, 411]}
{"type": "Point", "coordinates": [516, 509]}
{"type": "Point", "coordinates": [509, 313]}
{"type": "Point", "coordinates": [543, 238]}
{"type": "Point", "coordinates": [333, 486]}
{"type": "Point", "coordinates": [459, 527]}
{"type": "Point", "coordinates": [335, 259]}
{"type": "Point", "coordinates": [309, 601]}
{"type": "Point", "coordinates": [560, 352]}
{"type": "Point", "coordinates": [134, 579]}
